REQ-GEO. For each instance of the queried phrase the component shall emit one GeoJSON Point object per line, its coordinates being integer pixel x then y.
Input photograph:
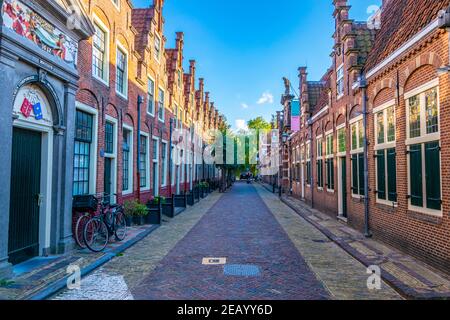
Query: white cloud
{"type": "Point", "coordinates": [266, 97]}
{"type": "Point", "coordinates": [244, 106]}
{"type": "Point", "coordinates": [241, 124]}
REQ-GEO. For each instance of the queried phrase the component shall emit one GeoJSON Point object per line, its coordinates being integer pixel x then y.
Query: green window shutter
{"type": "Point", "coordinates": [392, 175]}
{"type": "Point", "coordinates": [319, 174]}
{"type": "Point", "coordinates": [433, 175]}
{"type": "Point", "coordinates": [361, 173]}
{"type": "Point", "coordinates": [381, 174]}
{"type": "Point", "coordinates": [415, 174]}
{"type": "Point", "coordinates": [331, 174]}
{"type": "Point", "coordinates": [355, 189]}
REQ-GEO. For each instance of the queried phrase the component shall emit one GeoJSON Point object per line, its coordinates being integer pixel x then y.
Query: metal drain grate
{"type": "Point", "coordinates": [241, 270]}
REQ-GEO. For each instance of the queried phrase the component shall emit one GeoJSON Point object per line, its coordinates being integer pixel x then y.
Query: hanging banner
{"type": "Point", "coordinates": [28, 24]}
{"type": "Point", "coordinates": [295, 115]}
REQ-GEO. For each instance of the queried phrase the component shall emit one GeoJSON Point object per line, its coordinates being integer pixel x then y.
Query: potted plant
{"type": "Point", "coordinates": [129, 207]}
{"type": "Point", "coordinates": [140, 212]}
{"type": "Point", "coordinates": [154, 211]}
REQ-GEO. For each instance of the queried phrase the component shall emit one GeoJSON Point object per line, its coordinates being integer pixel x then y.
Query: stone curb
{"type": "Point", "coordinates": [403, 289]}
{"type": "Point", "coordinates": [60, 284]}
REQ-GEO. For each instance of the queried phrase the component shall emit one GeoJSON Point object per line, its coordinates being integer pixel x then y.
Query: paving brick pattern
{"type": "Point", "coordinates": [241, 228]}
{"type": "Point", "coordinates": [411, 277]}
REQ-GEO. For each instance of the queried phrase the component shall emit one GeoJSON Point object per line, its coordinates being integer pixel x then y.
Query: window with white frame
{"type": "Point", "coordinates": [155, 159]}
{"type": "Point", "coordinates": [357, 156]}
{"type": "Point", "coordinates": [385, 154]}
{"type": "Point", "coordinates": [84, 132]}
{"type": "Point", "coordinates": [340, 81]}
{"type": "Point", "coordinates": [116, 4]}
{"type": "Point", "coordinates": [330, 161]}
{"type": "Point", "coordinates": [122, 72]}
{"type": "Point", "coordinates": [127, 160]}
{"type": "Point", "coordinates": [157, 47]}
{"type": "Point", "coordinates": [319, 171]}
{"type": "Point", "coordinates": [308, 163]}
{"type": "Point", "coordinates": [100, 59]}
{"type": "Point", "coordinates": [423, 149]}
{"type": "Point", "coordinates": [151, 97]}
{"type": "Point", "coordinates": [342, 139]}
{"type": "Point", "coordinates": [143, 162]}
{"type": "Point", "coordinates": [161, 105]}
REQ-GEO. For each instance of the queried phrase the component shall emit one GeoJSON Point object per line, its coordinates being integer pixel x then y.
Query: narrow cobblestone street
{"type": "Point", "coordinates": [271, 253]}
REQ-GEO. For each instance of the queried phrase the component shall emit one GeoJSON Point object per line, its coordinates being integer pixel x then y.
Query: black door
{"type": "Point", "coordinates": [23, 240]}
{"type": "Point", "coordinates": [107, 179]}
{"type": "Point", "coordinates": [344, 187]}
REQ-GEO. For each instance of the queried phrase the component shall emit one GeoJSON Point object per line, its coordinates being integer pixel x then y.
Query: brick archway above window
{"type": "Point", "coordinates": [356, 111]}
{"type": "Point", "coordinates": [387, 83]}
{"type": "Point", "coordinates": [428, 58]}
{"type": "Point", "coordinates": [340, 119]}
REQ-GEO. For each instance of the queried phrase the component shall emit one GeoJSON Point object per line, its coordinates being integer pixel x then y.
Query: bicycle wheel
{"type": "Point", "coordinates": [79, 229]}
{"type": "Point", "coordinates": [120, 226]}
{"type": "Point", "coordinates": [96, 235]}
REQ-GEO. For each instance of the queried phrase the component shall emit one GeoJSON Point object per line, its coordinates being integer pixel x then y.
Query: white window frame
{"type": "Point", "coordinates": [340, 127]}
{"type": "Point", "coordinates": [120, 47]}
{"type": "Point", "coordinates": [356, 121]}
{"type": "Point", "coordinates": [157, 53]}
{"type": "Point", "coordinates": [422, 139]}
{"type": "Point", "coordinates": [116, 5]}
{"type": "Point", "coordinates": [308, 159]}
{"type": "Point", "coordinates": [94, 145]}
{"type": "Point", "coordinates": [319, 138]}
{"type": "Point", "coordinates": [328, 134]}
{"type": "Point", "coordinates": [150, 78]}
{"type": "Point", "coordinates": [338, 79]}
{"type": "Point", "coordinates": [164, 168]}
{"type": "Point", "coordinates": [147, 167]}
{"type": "Point", "coordinates": [383, 108]}
{"type": "Point", "coordinates": [384, 146]}
{"type": "Point", "coordinates": [106, 62]}
{"type": "Point", "coordinates": [113, 156]}
{"type": "Point", "coordinates": [163, 106]}
{"type": "Point", "coordinates": [131, 160]}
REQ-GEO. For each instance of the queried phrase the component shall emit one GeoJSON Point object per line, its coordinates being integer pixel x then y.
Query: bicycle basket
{"type": "Point", "coordinates": [85, 202]}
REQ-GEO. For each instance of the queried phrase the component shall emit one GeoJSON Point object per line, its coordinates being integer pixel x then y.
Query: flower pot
{"type": "Point", "coordinates": [139, 221]}
{"type": "Point", "coordinates": [153, 217]}
{"type": "Point", "coordinates": [129, 220]}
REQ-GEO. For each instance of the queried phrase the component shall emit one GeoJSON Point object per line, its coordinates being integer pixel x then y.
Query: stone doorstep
{"type": "Point", "coordinates": [426, 290]}
{"type": "Point", "coordinates": [38, 280]}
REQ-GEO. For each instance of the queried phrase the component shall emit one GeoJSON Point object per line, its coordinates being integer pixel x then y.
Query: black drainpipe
{"type": "Point", "coordinates": [363, 87]}
{"type": "Point", "coordinates": [311, 154]}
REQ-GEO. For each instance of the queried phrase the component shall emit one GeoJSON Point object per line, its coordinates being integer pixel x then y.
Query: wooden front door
{"type": "Point", "coordinates": [23, 237]}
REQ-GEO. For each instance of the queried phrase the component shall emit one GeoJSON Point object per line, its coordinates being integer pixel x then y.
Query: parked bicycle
{"type": "Point", "coordinates": [110, 221]}
{"type": "Point", "coordinates": [85, 207]}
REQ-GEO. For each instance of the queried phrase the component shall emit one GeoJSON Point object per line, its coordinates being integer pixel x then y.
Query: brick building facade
{"type": "Point", "coordinates": [126, 59]}
{"type": "Point", "coordinates": [389, 82]}
{"type": "Point", "coordinates": [103, 100]}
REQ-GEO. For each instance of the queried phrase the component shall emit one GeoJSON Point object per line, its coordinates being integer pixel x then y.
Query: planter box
{"type": "Point", "coordinates": [180, 201]}
{"type": "Point", "coordinates": [129, 221]}
{"type": "Point", "coordinates": [190, 199]}
{"type": "Point", "coordinates": [196, 193]}
{"type": "Point", "coordinates": [168, 209]}
{"type": "Point", "coordinates": [139, 221]}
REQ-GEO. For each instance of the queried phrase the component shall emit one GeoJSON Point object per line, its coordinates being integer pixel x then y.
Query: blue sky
{"type": "Point", "coordinates": [243, 48]}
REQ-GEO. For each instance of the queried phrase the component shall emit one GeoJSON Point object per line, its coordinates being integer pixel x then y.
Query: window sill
{"type": "Point", "coordinates": [127, 193]}
{"type": "Point", "coordinates": [330, 191]}
{"type": "Point", "coordinates": [122, 96]}
{"type": "Point", "coordinates": [342, 218]}
{"type": "Point", "coordinates": [100, 80]}
{"type": "Point", "coordinates": [425, 211]}
{"type": "Point", "coordinates": [424, 217]}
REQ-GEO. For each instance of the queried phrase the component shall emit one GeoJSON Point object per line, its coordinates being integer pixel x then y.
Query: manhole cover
{"type": "Point", "coordinates": [241, 270]}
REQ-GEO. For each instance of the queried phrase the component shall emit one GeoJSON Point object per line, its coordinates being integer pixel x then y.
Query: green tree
{"type": "Point", "coordinates": [258, 124]}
